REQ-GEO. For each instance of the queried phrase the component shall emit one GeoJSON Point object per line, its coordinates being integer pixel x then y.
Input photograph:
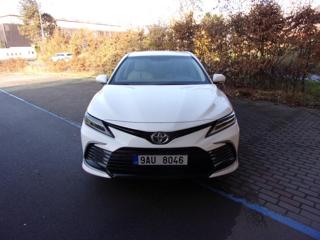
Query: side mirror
{"type": "Point", "coordinates": [102, 78]}
{"type": "Point", "coordinates": [218, 78]}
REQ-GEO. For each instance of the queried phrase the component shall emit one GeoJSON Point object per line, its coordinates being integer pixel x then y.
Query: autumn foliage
{"type": "Point", "coordinates": [12, 65]}
{"type": "Point", "coordinates": [261, 49]}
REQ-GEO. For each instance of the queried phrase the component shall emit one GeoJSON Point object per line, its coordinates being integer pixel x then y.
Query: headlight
{"type": "Point", "coordinates": [222, 124]}
{"type": "Point", "coordinates": [97, 124]}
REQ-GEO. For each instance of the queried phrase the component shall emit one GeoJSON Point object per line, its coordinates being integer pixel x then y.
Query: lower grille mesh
{"type": "Point", "coordinates": [200, 162]}
{"type": "Point", "coordinates": [223, 156]}
{"type": "Point", "coordinates": [96, 156]}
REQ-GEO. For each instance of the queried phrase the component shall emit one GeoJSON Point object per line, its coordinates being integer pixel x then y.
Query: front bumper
{"type": "Point", "coordinates": [113, 157]}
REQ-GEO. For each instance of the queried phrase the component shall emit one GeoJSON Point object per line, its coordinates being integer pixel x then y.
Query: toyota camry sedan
{"type": "Point", "coordinates": [160, 115]}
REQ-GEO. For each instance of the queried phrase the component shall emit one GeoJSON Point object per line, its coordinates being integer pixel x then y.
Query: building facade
{"type": "Point", "coordinates": [15, 45]}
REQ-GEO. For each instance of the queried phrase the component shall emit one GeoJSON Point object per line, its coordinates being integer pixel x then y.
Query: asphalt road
{"type": "Point", "coordinates": [44, 194]}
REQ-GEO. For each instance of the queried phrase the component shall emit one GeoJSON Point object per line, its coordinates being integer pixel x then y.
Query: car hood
{"type": "Point", "coordinates": [159, 104]}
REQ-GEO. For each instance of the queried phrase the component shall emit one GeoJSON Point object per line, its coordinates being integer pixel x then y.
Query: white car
{"type": "Point", "coordinates": [160, 115]}
{"type": "Point", "coordinates": [63, 56]}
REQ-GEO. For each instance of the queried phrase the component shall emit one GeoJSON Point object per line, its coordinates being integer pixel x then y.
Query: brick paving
{"type": "Point", "coordinates": [279, 160]}
{"type": "Point", "coordinates": [279, 152]}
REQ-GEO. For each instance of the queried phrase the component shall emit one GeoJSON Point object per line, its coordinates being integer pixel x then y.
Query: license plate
{"type": "Point", "coordinates": [164, 160]}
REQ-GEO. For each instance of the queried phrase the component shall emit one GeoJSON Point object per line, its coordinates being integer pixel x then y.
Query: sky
{"type": "Point", "coordinates": [118, 12]}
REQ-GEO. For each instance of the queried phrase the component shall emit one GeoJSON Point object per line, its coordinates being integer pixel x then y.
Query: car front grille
{"type": "Point", "coordinates": [200, 162]}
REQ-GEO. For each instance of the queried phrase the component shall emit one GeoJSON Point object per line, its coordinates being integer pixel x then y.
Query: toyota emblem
{"type": "Point", "coordinates": [159, 138]}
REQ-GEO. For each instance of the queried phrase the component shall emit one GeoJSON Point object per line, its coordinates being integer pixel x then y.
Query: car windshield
{"type": "Point", "coordinates": [159, 70]}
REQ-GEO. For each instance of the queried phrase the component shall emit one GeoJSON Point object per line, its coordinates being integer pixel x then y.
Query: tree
{"type": "Point", "coordinates": [157, 37]}
{"type": "Point", "coordinates": [265, 25]}
{"type": "Point", "coordinates": [49, 24]}
{"type": "Point", "coordinates": [31, 27]}
{"type": "Point", "coordinates": [31, 20]}
{"type": "Point", "coordinates": [211, 43]}
{"type": "Point", "coordinates": [257, 40]}
{"type": "Point", "coordinates": [304, 42]}
{"type": "Point", "coordinates": [184, 32]}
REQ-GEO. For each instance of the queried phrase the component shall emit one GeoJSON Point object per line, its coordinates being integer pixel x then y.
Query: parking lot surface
{"type": "Point", "coordinates": [280, 160]}
{"type": "Point", "coordinates": [47, 195]}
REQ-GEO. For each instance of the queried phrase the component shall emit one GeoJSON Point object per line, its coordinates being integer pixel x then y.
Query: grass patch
{"type": "Point", "coordinates": [311, 97]}
{"type": "Point", "coordinates": [313, 89]}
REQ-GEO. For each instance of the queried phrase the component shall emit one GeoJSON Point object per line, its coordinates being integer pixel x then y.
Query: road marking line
{"type": "Point", "coordinates": [42, 109]}
{"type": "Point", "coordinates": [264, 211]}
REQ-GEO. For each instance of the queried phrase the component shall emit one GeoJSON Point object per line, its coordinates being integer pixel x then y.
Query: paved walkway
{"type": "Point", "coordinates": [279, 160]}
{"type": "Point", "coordinates": [279, 148]}
{"type": "Point", "coordinates": [46, 195]}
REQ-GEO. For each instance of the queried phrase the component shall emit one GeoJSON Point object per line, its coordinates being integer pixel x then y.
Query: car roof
{"type": "Point", "coordinates": [159, 53]}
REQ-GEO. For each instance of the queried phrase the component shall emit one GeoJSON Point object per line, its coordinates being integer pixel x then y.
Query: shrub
{"type": "Point", "coordinates": [12, 65]}
{"type": "Point", "coordinates": [261, 49]}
